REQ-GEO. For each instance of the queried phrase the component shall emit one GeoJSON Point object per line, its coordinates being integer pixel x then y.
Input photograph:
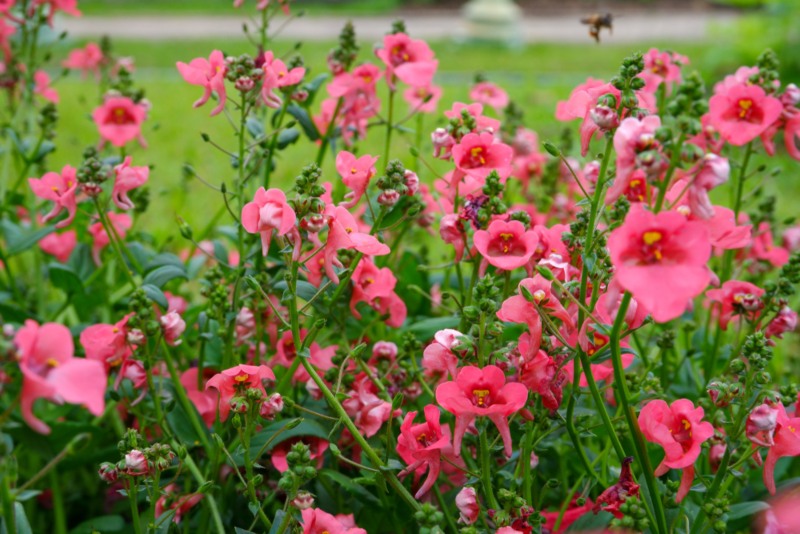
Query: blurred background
{"type": "Point", "coordinates": [537, 50]}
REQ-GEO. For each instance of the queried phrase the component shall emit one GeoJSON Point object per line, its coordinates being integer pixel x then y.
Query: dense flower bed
{"type": "Point", "coordinates": [601, 350]}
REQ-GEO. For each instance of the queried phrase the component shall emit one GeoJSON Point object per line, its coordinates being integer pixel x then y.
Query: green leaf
{"type": "Point", "coordinates": [305, 428]}
{"type": "Point", "coordinates": [165, 258]}
{"type": "Point", "coordinates": [180, 422]}
{"type": "Point", "coordinates": [304, 120]}
{"type": "Point", "coordinates": [103, 523]}
{"type": "Point", "coordinates": [64, 278]}
{"type": "Point", "coordinates": [23, 526]}
{"type": "Point", "coordinates": [275, 525]}
{"type": "Point", "coordinates": [304, 290]}
{"type": "Point", "coordinates": [746, 509]}
{"type": "Point", "coordinates": [156, 295]}
{"type": "Point", "coordinates": [287, 137]}
{"type": "Point", "coordinates": [19, 239]}
{"type": "Point", "coordinates": [348, 485]}
{"type": "Point", "coordinates": [591, 522]}
{"type": "Point", "coordinates": [161, 275]}
{"type": "Point", "coordinates": [425, 329]}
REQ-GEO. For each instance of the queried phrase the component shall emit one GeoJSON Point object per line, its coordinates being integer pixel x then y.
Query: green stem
{"type": "Point", "coordinates": [323, 147]}
{"type": "Point", "coordinates": [486, 472]}
{"type": "Point", "coordinates": [389, 126]}
{"type": "Point", "coordinates": [133, 494]}
{"type": "Point", "coordinates": [274, 143]}
{"type": "Point", "coordinates": [59, 518]}
{"type": "Point", "coordinates": [673, 164]}
{"type": "Point", "coordinates": [621, 385]}
{"type": "Point", "coordinates": [244, 437]}
{"type": "Point", "coordinates": [209, 501]}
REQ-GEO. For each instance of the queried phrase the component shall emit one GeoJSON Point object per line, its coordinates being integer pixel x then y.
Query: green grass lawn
{"type": "Point", "coordinates": [536, 76]}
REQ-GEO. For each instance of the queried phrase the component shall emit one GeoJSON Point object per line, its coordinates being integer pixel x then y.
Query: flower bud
{"type": "Point", "coordinates": [303, 500]}
{"type": "Point", "coordinates": [271, 406]}
{"type": "Point", "coordinates": [411, 181]}
{"type": "Point", "coordinates": [108, 472]}
{"type": "Point", "coordinates": [244, 84]}
{"type": "Point", "coordinates": [136, 463]}
{"type": "Point", "coordinates": [388, 198]}
{"type": "Point", "coordinates": [604, 117]}
{"type": "Point", "coordinates": [442, 143]}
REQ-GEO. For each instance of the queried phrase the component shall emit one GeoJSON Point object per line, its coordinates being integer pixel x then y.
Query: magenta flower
{"type": "Point", "coordinates": [204, 401]}
{"type": "Point", "coordinates": [479, 154]}
{"type": "Point", "coordinates": [481, 392]}
{"type": "Point", "coordinates": [210, 75]}
{"type": "Point", "coordinates": [518, 309]}
{"type": "Point", "coordinates": [376, 287]}
{"type": "Point", "coordinates": [367, 410]}
{"type": "Point", "coordinates": [489, 94]}
{"type": "Point", "coordinates": [59, 245]}
{"type": "Point", "coordinates": [50, 371]}
{"type": "Point", "coordinates": [467, 504]}
{"type": "Point", "coordinates": [173, 499]}
{"type": "Point", "coordinates": [439, 357]}
{"type": "Point", "coordinates": [423, 446]}
{"type": "Point", "coordinates": [277, 76]}
{"type": "Point", "coordinates": [87, 59]}
{"type": "Point", "coordinates": [662, 67]}
{"type": "Point", "coordinates": [119, 120]}
{"type": "Point", "coordinates": [786, 440]}
{"type": "Point", "coordinates": [316, 521]}
{"type": "Point", "coordinates": [61, 189]}
{"type": "Point", "coordinates": [506, 245]}
{"type": "Point", "coordinates": [42, 86]}
{"type": "Point", "coordinates": [108, 343]}
{"type": "Point", "coordinates": [356, 174]}
{"type": "Point", "coordinates": [764, 248]}
{"type": "Point", "coordinates": [268, 211]}
{"type": "Point", "coordinates": [679, 428]}
{"type": "Point", "coordinates": [409, 60]}
{"type": "Point", "coordinates": [343, 234]}
{"type": "Point", "coordinates": [126, 179]}
{"type": "Point", "coordinates": [236, 381]}
{"type": "Point", "coordinates": [735, 299]}
{"type": "Point", "coordinates": [423, 98]}
{"type": "Point", "coordinates": [649, 248]}
{"type": "Point", "coordinates": [121, 222]}
{"type": "Point", "coordinates": [740, 113]}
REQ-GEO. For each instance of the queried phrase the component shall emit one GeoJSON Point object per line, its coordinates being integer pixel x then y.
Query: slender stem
{"type": "Point", "coordinates": [244, 437]}
{"type": "Point", "coordinates": [133, 494]}
{"type": "Point", "coordinates": [273, 144]}
{"type": "Point", "coordinates": [640, 450]}
{"type": "Point", "coordinates": [200, 479]}
{"type": "Point", "coordinates": [486, 472]}
{"type": "Point", "coordinates": [389, 126]}
{"type": "Point", "coordinates": [673, 164]}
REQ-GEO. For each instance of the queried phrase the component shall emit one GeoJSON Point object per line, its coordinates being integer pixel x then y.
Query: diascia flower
{"type": "Point", "coordinates": [422, 447]}
{"type": "Point", "coordinates": [409, 60]}
{"type": "Point", "coordinates": [650, 248]}
{"type": "Point", "coordinates": [210, 75]}
{"type": "Point", "coordinates": [506, 245]}
{"type": "Point", "coordinates": [126, 179]}
{"type": "Point", "coordinates": [59, 245]}
{"type": "Point", "coordinates": [61, 189]}
{"type": "Point", "coordinates": [119, 120]}
{"type": "Point", "coordinates": [480, 392]}
{"type": "Point", "coordinates": [489, 94]}
{"type": "Point", "coordinates": [50, 371]}
{"type": "Point", "coordinates": [277, 76]}
{"type": "Point", "coordinates": [679, 428]}
{"type": "Point", "coordinates": [343, 234]}
{"type": "Point", "coordinates": [736, 299]}
{"type": "Point", "coordinates": [740, 112]}
{"type": "Point", "coordinates": [356, 174]}
{"type": "Point", "coordinates": [785, 442]}
{"type": "Point", "coordinates": [87, 59]}
{"type": "Point", "coordinates": [268, 211]}
{"type": "Point", "coordinates": [238, 380]}
{"type": "Point", "coordinates": [478, 154]}
{"type": "Point", "coordinates": [316, 521]}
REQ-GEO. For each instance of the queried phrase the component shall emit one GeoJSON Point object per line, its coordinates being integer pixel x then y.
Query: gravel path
{"type": "Point", "coordinates": [629, 28]}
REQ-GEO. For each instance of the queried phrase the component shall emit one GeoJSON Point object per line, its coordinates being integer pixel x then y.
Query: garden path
{"type": "Point", "coordinates": [679, 26]}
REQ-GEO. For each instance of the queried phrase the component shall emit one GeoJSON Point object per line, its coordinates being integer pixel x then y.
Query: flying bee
{"type": "Point", "coordinates": [596, 22]}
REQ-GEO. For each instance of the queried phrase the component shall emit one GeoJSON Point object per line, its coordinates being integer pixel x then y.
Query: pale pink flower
{"type": "Point", "coordinates": [127, 178]}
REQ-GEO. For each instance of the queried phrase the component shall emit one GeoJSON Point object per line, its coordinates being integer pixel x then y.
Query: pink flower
{"type": "Point", "coordinates": [59, 245]}
{"type": "Point", "coordinates": [439, 357]}
{"type": "Point", "coordinates": [136, 463]}
{"type": "Point", "coordinates": [742, 112]}
{"type": "Point", "coordinates": [649, 248]}
{"type": "Point", "coordinates": [127, 178]}
{"type": "Point", "coordinates": [761, 425]}
{"type": "Point", "coordinates": [172, 499]}
{"type": "Point", "coordinates": [343, 234]}
{"type": "Point", "coordinates": [423, 98]}
{"type": "Point", "coordinates": [376, 287]}
{"type": "Point", "coordinates": [61, 189]}
{"type": "Point", "coordinates": [210, 75]}
{"type": "Point", "coordinates": [481, 392]}
{"type": "Point", "coordinates": [316, 521]}
{"type": "Point", "coordinates": [173, 326]}
{"type": "Point", "coordinates": [268, 211]}
{"type": "Point", "coordinates": [69, 7]}
{"type": "Point", "coordinates": [236, 381]}
{"type": "Point", "coordinates": [633, 137]}
{"type": "Point", "coordinates": [664, 67]}
{"type": "Point", "coordinates": [784, 321]}
{"type": "Point", "coordinates": [423, 446]}
{"type": "Point", "coordinates": [518, 309]}
{"type": "Point", "coordinates": [356, 174]}
{"type": "Point", "coordinates": [205, 401]}
{"type": "Point", "coordinates": [714, 171]}
{"type": "Point", "coordinates": [87, 59]}
{"type": "Point", "coordinates": [119, 120]}
{"type": "Point", "coordinates": [451, 230]}
{"type": "Point", "coordinates": [367, 410]}
{"type": "Point", "coordinates": [121, 222]}
{"type": "Point", "coordinates": [614, 496]}
{"type": "Point", "coordinates": [50, 371]}
{"type": "Point", "coordinates": [489, 94]}
{"type": "Point", "coordinates": [786, 443]}
{"type": "Point", "coordinates": [277, 76]}
{"type": "Point", "coordinates": [467, 504]}
{"type": "Point", "coordinates": [764, 248]}
{"type": "Point", "coordinates": [680, 430]}
{"type": "Point", "coordinates": [724, 232]}
{"type": "Point", "coordinates": [409, 60]}
{"type": "Point", "coordinates": [42, 87]}
{"type": "Point", "coordinates": [736, 299]}
{"type": "Point", "coordinates": [108, 343]}
{"type": "Point", "coordinates": [542, 374]}
{"type": "Point", "coordinates": [479, 154]}
{"type": "Point", "coordinates": [475, 110]}
{"type": "Point", "coordinates": [506, 245]}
